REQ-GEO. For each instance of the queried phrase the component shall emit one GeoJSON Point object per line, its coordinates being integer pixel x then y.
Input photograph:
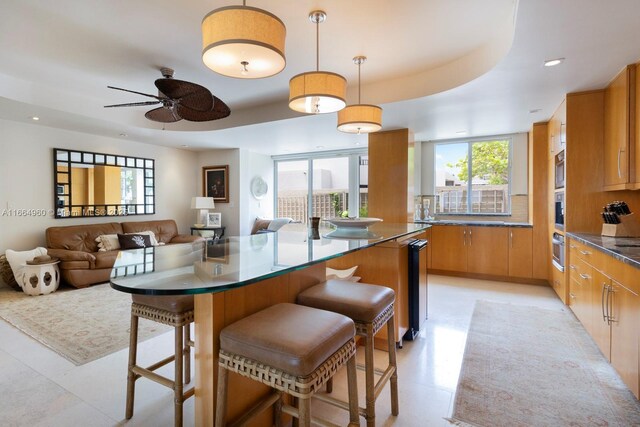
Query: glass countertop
{"type": "Point", "coordinates": [232, 262]}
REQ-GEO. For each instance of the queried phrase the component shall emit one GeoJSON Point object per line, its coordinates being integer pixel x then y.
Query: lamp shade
{"type": "Point", "coordinates": [317, 92]}
{"type": "Point", "coordinates": [360, 118]}
{"type": "Point", "coordinates": [202, 203]}
{"type": "Point", "coordinates": [243, 42]}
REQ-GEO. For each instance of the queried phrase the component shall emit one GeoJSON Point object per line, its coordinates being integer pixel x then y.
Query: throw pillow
{"type": "Point", "coordinates": [134, 241]}
{"type": "Point", "coordinates": [260, 224]}
{"type": "Point", "coordinates": [108, 242]}
{"type": "Point", "coordinates": [18, 259]}
{"type": "Point", "coordinates": [347, 274]}
{"type": "Point", "coordinates": [152, 236]}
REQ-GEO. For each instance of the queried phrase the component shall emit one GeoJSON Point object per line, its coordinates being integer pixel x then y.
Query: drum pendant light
{"type": "Point", "coordinates": [243, 42]}
{"type": "Point", "coordinates": [360, 118]}
{"type": "Point", "coordinates": [317, 92]}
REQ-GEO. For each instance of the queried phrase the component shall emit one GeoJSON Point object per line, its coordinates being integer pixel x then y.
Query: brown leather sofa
{"type": "Point", "coordinates": [81, 264]}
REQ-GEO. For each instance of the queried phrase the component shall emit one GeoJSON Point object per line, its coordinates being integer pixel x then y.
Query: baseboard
{"type": "Point", "coordinates": [523, 280]}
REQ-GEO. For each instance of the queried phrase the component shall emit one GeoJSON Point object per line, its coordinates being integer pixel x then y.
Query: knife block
{"type": "Point", "coordinates": [628, 227]}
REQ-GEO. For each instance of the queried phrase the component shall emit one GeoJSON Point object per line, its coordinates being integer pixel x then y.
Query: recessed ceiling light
{"type": "Point", "coordinates": [461, 132]}
{"type": "Point", "coordinates": [124, 135]}
{"type": "Point", "coordinates": [535, 110]}
{"type": "Point", "coordinates": [357, 143]}
{"type": "Point", "coordinates": [553, 62]}
{"type": "Point", "coordinates": [35, 118]}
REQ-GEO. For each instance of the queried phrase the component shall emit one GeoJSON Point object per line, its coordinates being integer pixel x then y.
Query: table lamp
{"type": "Point", "coordinates": [203, 204]}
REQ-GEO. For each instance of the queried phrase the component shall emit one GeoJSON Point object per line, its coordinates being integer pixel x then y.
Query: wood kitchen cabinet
{"type": "Point", "coordinates": [520, 252]}
{"type": "Point", "coordinates": [619, 131]}
{"type": "Point", "coordinates": [480, 250]}
{"type": "Point", "coordinates": [604, 295]}
{"type": "Point", "coordinates": [487, 250]}
{"type": "Point", "coordinates": [448, 248]}
{"type": "Point", "coordinates": [558, 130]}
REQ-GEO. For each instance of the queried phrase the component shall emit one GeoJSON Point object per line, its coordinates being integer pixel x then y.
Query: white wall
{"type": "Point", "coordinates": [230, 211]}
{"type": "Point", "coordinates": [26, 180]}
{"type": "Point", "coordinates": [519, 166]}
{"type": "Point", "coordinates": [253, 165]}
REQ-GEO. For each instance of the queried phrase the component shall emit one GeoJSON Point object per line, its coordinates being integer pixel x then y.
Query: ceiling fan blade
{"type": "Point", "coordinates": [133, 91]}
{"type": "Point", "coordinates": [162, 115]}
{"type": "Point", "coordinates": [133, 104]}
{"type": "Point", "coordinates": [220, 110]}
{"type": "Point", "coordinates": [189, 94]}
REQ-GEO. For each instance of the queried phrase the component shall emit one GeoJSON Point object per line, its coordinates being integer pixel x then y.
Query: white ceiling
{"type": "Point", "coordinates": [438, 67]}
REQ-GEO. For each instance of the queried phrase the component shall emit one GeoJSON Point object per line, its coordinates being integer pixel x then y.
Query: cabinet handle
{"type": "Point", "coordinates": [573, 246]}
{"type": "Point", "coordinates": [610, 318]}
{"type": "Point", "coordinates": [619, 171]}
{"type": "Point", "coordinates": [572, 296]}
{"type": "Point", "coordinates": [470, 238]}
{"type": "Point", "coordinates": [572, 267]}
{"type": "Point", "coordinates": [585, 252]}
{"type": "Point", "coordinates": [585, 276]}
{"type": "Point", "coordinates": [604, 316]}
{"type": "Point", "coordinates": [464, 237]}
{"type": "Point", "coordinates": [511, 238]}
{"type": "Point", "coordinates": [553, 142]}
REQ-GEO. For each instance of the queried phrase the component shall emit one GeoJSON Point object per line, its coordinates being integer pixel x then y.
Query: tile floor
{"type": "Point", "coordinates": [38, 387]}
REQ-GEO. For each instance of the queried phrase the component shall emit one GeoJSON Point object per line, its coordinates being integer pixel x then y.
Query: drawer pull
{"type": "Point", "coordinates": [585, 252]}
{"type": "Point", "coordinates": [585, 276]}
{"type": "Point", "coordinates": [573, 246]}
{"type": "Point", "coordinates": [572, 267]}
{"type": "Point", "coordinates": [572, 296]}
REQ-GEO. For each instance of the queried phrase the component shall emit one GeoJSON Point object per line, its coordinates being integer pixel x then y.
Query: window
{"type": "Point", "coordinates": [326, 185]}
{"type": "Point", "coordinates": [473, 177]}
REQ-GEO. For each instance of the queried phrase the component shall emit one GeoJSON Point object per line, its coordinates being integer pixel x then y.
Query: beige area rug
{"type": "Point", "coordinates": [527, 366]}
{"type": "Point", "coordinates": [80, 324]}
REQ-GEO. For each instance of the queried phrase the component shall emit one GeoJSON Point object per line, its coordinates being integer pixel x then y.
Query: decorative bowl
{"type": "Point", "coordinates": [353, 222]}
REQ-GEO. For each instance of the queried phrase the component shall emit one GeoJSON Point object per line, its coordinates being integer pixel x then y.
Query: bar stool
{"type": "Point", "coordinates": [292, 349]}
{"type": "Point", "coordinates": [176, 311]}
{"type": "Point", "coordinates": [370, 307]}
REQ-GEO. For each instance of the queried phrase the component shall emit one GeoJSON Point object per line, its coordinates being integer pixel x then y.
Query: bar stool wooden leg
{"type": "Point", "coordinates": [221, 397]}
{"type": "Point", "coordinates": [178, 376]}
{"type": "Point", "coordinates": [277, 413]}
{"type": "Point", "coordinates": [352, 383]}
{"type": "Point", "coordinates": [393, 386]}
{"type": "Point", "coordinates": [187, 354]}
{"type": "Point", "coordinates": [370, 382]}
{"type": "Point", "coordinates": [304, 408]}
{"type": "Point", "coordinates": [131, 376]}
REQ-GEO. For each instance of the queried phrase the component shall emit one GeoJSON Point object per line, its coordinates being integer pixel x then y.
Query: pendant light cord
{"type": "Point", "coordinates": [359, 85]}
{"type": "Point", "coordinates": [318, 46]}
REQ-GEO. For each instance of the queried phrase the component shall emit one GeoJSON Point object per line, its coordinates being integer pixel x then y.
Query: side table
{"type": "Point", "coordinates": [40, 279]}
{"type": "Point", "coordinates": [209, 233]}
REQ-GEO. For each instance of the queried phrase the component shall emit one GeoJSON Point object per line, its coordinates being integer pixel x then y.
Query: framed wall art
{"type": "Point", "coordinates": [215, 183]}
{"type": "Point", "coordinates": [214, 219]}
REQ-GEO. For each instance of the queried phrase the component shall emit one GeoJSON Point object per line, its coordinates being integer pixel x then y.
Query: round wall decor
{"type": "Point", "coordinates": [259, 187]}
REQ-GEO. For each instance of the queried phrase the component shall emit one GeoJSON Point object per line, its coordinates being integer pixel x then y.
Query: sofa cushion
{"type": "Point", "coordinates": [79, 237]}
{"type": "Point", "coordinates": [105, 259]}
{"type": "Point", "coordinates": [134, 241]}
{"type": "Point", "coordinates": [164, 230]}
{"type": "Point", "coordinates": [75, 265]}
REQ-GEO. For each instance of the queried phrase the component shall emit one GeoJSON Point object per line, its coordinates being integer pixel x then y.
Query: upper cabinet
{"type": "Point", "coordinates": [558, 130]}
{"type": "Point", "coordinates": [620, 132]}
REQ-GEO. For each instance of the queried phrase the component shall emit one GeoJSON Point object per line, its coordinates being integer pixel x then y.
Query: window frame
{"type": "Point", "coordinates": [470, 142]}
{"type": "Point", "coordinates": [354, 173]}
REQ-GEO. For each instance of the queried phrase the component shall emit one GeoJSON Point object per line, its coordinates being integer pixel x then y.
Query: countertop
{"type": "Point", "coordinates": [625, 249]}
{"type": "Point", "coordinates": [476, 223]}
{"type": "Point", "coordinates": [238, 261]}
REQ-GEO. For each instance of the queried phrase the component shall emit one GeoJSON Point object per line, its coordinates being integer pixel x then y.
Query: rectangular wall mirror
{"type": "Point", "coordinates": [90, 184]}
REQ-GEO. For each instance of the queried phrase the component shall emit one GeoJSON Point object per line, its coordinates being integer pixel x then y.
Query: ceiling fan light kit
{"type": "Point", "coordinates": [243, 42]}
{"type": "Point", "coordinates": [317, 92]}
{"type": "Point", "coordinates": [360, 118]}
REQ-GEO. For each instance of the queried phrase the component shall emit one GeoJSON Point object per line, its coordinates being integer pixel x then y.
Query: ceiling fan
{"type": "Point", "coordinates": [180, 100]}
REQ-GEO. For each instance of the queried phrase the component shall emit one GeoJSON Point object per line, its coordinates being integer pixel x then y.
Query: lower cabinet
{"type": "Point", "coordinates": [495, 251]}
{"type": "Point", "coordinates": [604, 297]}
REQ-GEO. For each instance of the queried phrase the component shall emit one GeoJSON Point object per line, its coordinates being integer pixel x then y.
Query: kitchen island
{"type": "Point", "coordinates": [239, 276]}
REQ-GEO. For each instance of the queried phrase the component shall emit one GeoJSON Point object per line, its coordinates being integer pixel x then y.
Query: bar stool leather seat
{"type": "Point", "coordinates": [174, 304]}
{"type": "Point", "coordinates": [294, 350]}
{"type": "Point", "coordinates": [360, 302]}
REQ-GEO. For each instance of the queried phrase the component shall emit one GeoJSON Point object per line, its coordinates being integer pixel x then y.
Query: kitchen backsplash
{"type": "Point", "coordinates": [519, 210]}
